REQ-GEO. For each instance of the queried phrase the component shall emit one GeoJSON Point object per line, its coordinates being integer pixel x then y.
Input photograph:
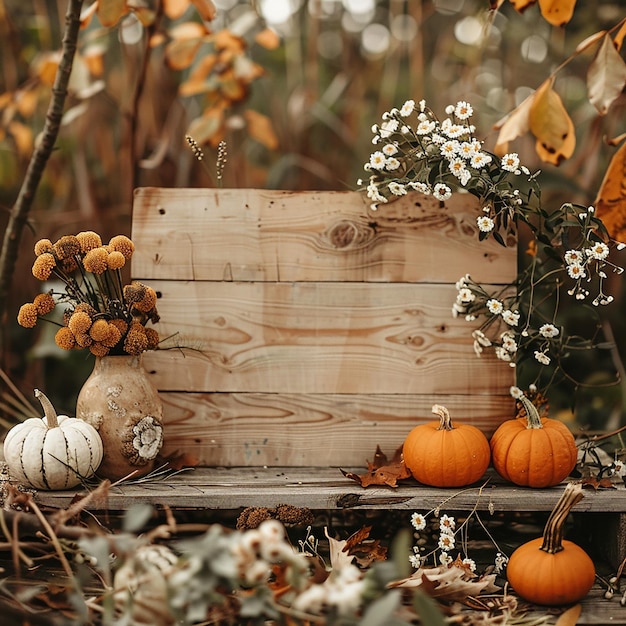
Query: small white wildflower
{"type": "Point", "coordinates": [494, 306]}
{"type": "Point", "coordinates": [470, 564]}
{"type": "Point", "coordinates": [450, 149]}
{"type": "Point", "coordinates": [576, 270]}
{"type": "Point", "coordinates": [464, 177]}
{"type": "Point", "coordinates": [463, 110]}
{"type": "Point", "coordinates": [481, 338]}
{"type": "Point", "coordinates": [388, 127]}
{"type": "Point", "coordinates": [504, 355]}
{"type": "Point", "coordinates": [442, 191]}
{"type": "Point", "coordinates": [390, 149]}
{"type": "Point", "coordinates": [542, 357]}
{"type": "Point", "coordinates": [516, 392]}
{"type": "Point", "coordinates": [378, 160]}
{"type": "Point", "coordinates": [421, 187]}
{"type": "Point", "coordinates": [407, 108]}
{"type": "Point", "coordinates": [397, 189]}
{"type": "Point", "coordinates": [446, 542]}
{"type": "Point", "coordinates": [508, 342]}
{"type": "Point", "coordinates": [480, 159]}
{"type": "Point", "coordinates": [445, 558]}
{"type": "Point", "coordinates": [574, 256]}
{"type": "Point", "coordinates": [485, 223]}
{"type": "Point", "coordinates": [415, 561]}
{"type": "Point", "coordinates": [621, 245]}
{"type": "Point", "coordinates": [510, 162]}
{"type": "Point", "coordinates": [425, 127]}
{"type": "Point", "coordinates": [449, 109]}
{"type": "Point", "coordinates": [465, 295]}
{"type": "Point", "coordinates": [599, 251]}
{"type": "Point", "coordinates": [548, 331]}
{"type": "Point", "coordinates": [447, 524]}
{"type": "Point", "coordinates": [422, 105]}
{"type": "Point", "coordinates": [500, 563]}
{"type": "Point", "coordinates": [510, 317]}
{"type": "Point", "coordinates": [392, 164]}
{"type": "Point", "coordinates": [418, 521]}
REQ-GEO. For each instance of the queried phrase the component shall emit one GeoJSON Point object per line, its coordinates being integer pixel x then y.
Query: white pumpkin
{"type": "Point", "coordinates": [52, 452]}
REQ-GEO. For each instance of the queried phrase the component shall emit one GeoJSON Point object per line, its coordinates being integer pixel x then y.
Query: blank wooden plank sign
{"type": "Point", "coordinates": [305, 329]}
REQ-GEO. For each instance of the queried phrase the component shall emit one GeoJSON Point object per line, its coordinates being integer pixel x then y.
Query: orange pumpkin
{"type": "Point", "coordinates": [550, 570]}
{"type": "Point", "coordinates": [533, 451]}
{"type": "Point", "coordinates": [442, 455]}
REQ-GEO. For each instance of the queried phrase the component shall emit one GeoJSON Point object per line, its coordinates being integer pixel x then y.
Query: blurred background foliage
{"type": "Point", "coordinates": [292, 87]}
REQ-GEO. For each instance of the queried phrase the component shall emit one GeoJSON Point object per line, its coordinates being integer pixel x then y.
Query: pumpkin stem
{"type": "Point", "coordinates": [533, 419]}
{"type": "Point", "coordinates": [48, 409]}
{"type": "Point", "coordinates": [445, 423]}
{"type": "Point", "coordinates": [553, 531]}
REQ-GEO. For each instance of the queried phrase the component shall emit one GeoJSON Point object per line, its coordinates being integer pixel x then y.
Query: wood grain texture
{"type": "Point", "coordinates": [325, 488]}
{"type": "Point", "coordinates": [305, 329]}
{"type": "Point", "coordinates": [318, 338]}
{"type": "Point", "coordinates": [248, 429]}
{"type": "Point", "coordinates": [260, 235]}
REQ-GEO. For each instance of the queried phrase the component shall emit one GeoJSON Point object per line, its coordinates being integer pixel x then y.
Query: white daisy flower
{"type": "Point", "coordinates": [392, 164]}
{"type": "Point", "coordinates": [510, 162]}
{"type": "Point", "coordinates": [599, 251]}
{"type": "Point", "coordinates": [397, 189]}
{"type": "Point", "coordinates": [378, 160]}
{"type": "Point", "coordinates": [442, 191]}
{"type": "Point", "coordinates": [463, 110]}
{"type": "Point", "coordinates": [485, 223]}
{"type": "Point", "coordinates": [390, 149]}
{"type": "Point", "coordinates": [494, 306]}
{"type": "Point", "coordinates": [548, 331]}
{"type": "Point", "coordinates": [418, 521]}
{"type": "Point", "coordinates": [574, 256]}
{"type": "Point", "coordinates": [576, 270]}
{"type": "Point", "coordinates": [542, 357]}
{"type": "Point", "coordinates": [425, 127]}
{"type": "Point", "coordinates": [510, 317]}
{"type": "Point", "coordinates": [407, 108]}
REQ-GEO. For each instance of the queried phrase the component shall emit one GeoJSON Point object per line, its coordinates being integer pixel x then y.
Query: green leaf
{"type": "Point", "coordinates": [136, 517]}
{"type": "Point", "coordinates": [427, 609]}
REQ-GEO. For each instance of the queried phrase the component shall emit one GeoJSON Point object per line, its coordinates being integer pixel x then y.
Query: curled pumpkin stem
{"type": "Point", "coordinates": [533, 419]}
{"type": "Point", "coordinates": [445, 423]}
{"type": "Point", "coordinates": [48, 409]}
{"type": "Point", "coordinates": [553, 531]}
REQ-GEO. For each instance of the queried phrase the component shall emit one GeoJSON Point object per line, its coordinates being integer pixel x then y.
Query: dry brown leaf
{"type": "Point", "coordinates": [513, 125]}
{"type": "Point", "coordinates": [180, 53]}
{"type": "Point", "coordinates": [448, 583]}
{"type": "Point", "coordinates": [197, 81]}
{"type": "Point", "coordinates": [381, 471]}
{"type": "Point", "coordinates": [22, 136]}
{"type": "Point", "coordinates": [522, 5]}
{"type": "Point", "coordinates": [610, 203]}
{"type": "Point", "coordinates": [209, 128]}
{"type": "Point", "coordinates": [589, 41]}
{"type": "Point", "coordinates": [260, 128]}
{"type": "Point", "coordinates": [606, 76]}
{"type": "Point", "coordinates": [597, 483]}
{"type": "Point", "coordinates": [175, 9]}
{"type": "Point", "coordinates": [87, 14]}
{"type": "Point", "coordinates": [111, 11]}
{"type": "Point", "coordinates": [557, 12]}
{"type": "Point", "coordinates": [569, 617]}
{"type": "Point", "coordinates": [551, 125]}
{"type": "Point", "coordinates": [46, 67]}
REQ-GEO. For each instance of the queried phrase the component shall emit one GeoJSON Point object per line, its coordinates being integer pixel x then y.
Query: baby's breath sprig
{"type": "Point", "coordinates": [569, 250]}
{"type": "Point", "coordinates": [220, 163]}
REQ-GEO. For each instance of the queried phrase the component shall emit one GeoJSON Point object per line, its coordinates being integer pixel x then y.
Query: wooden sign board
{"type": "Point", "coordinates": [305, 329]}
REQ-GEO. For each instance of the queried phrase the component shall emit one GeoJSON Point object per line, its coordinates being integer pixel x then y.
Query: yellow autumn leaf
{"type": "Point", "coordinates": [197, 82]}
{"type": "Point", "coordinates": [46, 67]}
{"type": "Point", "coordinates": [188, 30]}
{"type": "Point", "coordinates": [26, 101]}
{"type": "Point", "coordinates": [111, 11]}
{"type": "Point", "coordinates": [551, 125]}
{"type": "Point", "coordinates": [179, 54]}
{"type": "Point", "coordinates": [268, 38]}
{"type": "Point", "coordinates": [175, 9]}
{"type": "Point", "coordinates": [610, 202]}
{"type": "Point", "coordinates": [569, 617]}
{"type": "Point", "coordinates": [522, 5]}
{"type": "Point", "coordinates": [87, 14]}
{"type": "Point", "coordinates": [513, 125]}
{"type": "Point", "coordinates": [606, 76]}
{"type": "Point", "coordinates": [22, 136]}
{"type": "Point", "coordinates": [619, 37]}
{"type": "Point", "coordinates": [209, 127]}
{"type": "Point", "coordinates": [93, 57]}
{"type": "Point", "coordinates": [557, 12]}
{"type": "Point", "coordinates": [260, 128]}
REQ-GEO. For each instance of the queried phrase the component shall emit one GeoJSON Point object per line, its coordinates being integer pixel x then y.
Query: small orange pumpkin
{"type": "Point", "coordinates": [442, 455]}
{"type": "Point", "coordinates": [533, 451]}
{"type": "Point", "coordinates": [551, 570]}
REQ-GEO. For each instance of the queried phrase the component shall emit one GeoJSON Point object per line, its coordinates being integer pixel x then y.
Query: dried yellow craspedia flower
{"type": "Point", "coordinates": [120, 324]}
{"type": "Point", "coordinates": [116, 260]}
{"type": "Point", "coordinates": [153, 338]}
{"type": "Point", "coordinates": [113, 336]}
{"type": "Point", "coordinates": [43, 266]}
{"type": "Point", "coordinates": [43, 245]}
{"type": "Point", "coordinates": [121, 243]}
{"type": "Point", "coordinates": [136, 341]}
{"type": "Point", "coordinates": [134, 292]}
{"type": "Point", "coordinates": [65, 339]}
{"type": "Point", "coordinates": [79, 323]}
{"type": "Point", "coordinates": [95, 261]}
{"type": "Point", "coordinates": [68, 265]}
{"type": "Point", "coordinates": [45, 303]}
{"type": "Point", "coordinates": [83, 340]}
{"type": "Point", "coordinates": [99, 330]}
{"type": "Point", "coordinates": [85, 307]}
{"type": "Point", "coordinates": [98, 349]}
{"type": "Point", "coordinates": [88, 240]}
{"type": "Point", "coordinates": [66, 247]}
{"type": "Point", "coordinates": [148, 301]}
{"type": "Point", "coordinates": [27, 315]}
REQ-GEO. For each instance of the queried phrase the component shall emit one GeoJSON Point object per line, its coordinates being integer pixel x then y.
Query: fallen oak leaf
{"type": "Point", "coordinates": [380, 471]}
{"type": "Point", "coordinates": [597, 483]}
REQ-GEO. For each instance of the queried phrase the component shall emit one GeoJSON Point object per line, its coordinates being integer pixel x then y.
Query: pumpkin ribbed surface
{"type": "Point", "coordinates": [533, 457]}
{"type": "Point", "coordinates": [441, 455]}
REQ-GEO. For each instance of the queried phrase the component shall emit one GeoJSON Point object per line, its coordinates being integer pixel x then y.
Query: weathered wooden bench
{"type": "Point", "coordinates": [304, 331]}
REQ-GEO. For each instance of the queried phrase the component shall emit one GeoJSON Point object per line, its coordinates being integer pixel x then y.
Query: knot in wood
{"type": "Point", "coordinates": [349, 234]}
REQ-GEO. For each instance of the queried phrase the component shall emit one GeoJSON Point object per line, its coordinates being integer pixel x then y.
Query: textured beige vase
{"type": "Point", "coordinates": [120, 401]}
